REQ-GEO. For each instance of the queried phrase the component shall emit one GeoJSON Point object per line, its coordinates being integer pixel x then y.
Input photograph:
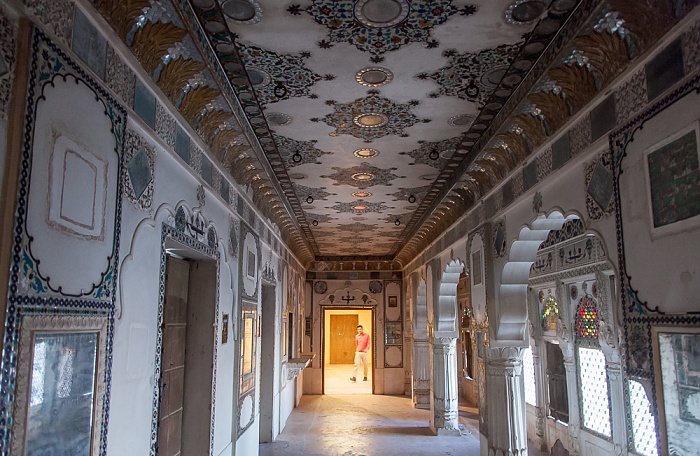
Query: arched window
{"type": "Point", "coordinates": [587, 318]}
{"type": "Point", "coordinates": [550, 311]}
{"type": "Point", "coordinates": [593, 375]}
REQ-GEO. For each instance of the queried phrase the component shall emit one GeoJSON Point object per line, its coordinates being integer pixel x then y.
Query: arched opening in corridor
{"type": "Point", "coordinates": [339, 331]}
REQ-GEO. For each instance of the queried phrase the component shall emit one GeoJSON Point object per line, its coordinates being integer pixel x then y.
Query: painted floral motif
{"type": "Point", "coordinates": [638, 346]}
{"type": "Point", "coordinates": [402, 218]}
{"type": "Point", "coordinates": [368, 207]}
{"type": "Point", "coordinates": [465, 75]}
{"type": "Point", "coordinates": [30, 281]}
{"type": "Point", "coordinates": [139, 171]}
{"type": "Point", "coordinates": [398, 117]}
{"type": "Point", "coordinates": [318, 194]}
{"type": "Point", "coordinates": [320, 218]}
{"type": "Point", "coordinates": [404, 194]}
{"type": "Point", "coordinates": [7, 62]}
{"type": "Point", "coordinates": [344, 176]}
{"type": "Point", "coordinates": [289, 148]}
{"type": "Point", "coordinates": [288, 77]}
{"type": "Point", "coordinates": [433, 154]}
{"type": "Point", "coordinates": [357, 228]}
{"type": "Point", "coordinates": [339, 17]}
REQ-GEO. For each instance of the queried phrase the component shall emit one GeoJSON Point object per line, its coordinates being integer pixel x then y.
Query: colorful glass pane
{"type": "Point", "coordinates": [587, 318]}
{"type": "Point", "coordinates": [550, 313]}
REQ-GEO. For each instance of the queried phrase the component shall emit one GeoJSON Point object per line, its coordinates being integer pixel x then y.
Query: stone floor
{"type": "Point", "coordinates": [369, 425]}
{"type": "Point", "coordinates": [336, 380]}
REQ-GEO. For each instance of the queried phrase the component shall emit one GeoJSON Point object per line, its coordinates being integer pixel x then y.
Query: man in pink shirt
{"type": "Point", "coordinates": [361, 349]}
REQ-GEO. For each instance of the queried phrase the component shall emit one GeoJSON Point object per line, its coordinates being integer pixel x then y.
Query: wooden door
{"type": "Point", "coordinates": [172, 378]}
{"type": "Point", "coordinates": [343, 331]}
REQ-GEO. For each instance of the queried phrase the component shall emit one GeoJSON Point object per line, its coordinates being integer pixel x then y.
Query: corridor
{"type": "Point", "coordinates": [368, 425]}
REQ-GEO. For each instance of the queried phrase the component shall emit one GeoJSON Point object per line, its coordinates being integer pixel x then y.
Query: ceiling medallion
{"type": "Point", "coordinates": [258, 77]}
{"type": "Point", "coordinates": [360, 207]}
{"type": "Point", "coordinates": [525, 12]}
{"type": "Point", "coordinates": [381, 13]}
{"type": "Point", "coordinates": [361, 194]}
{"type": "Point", "coordinates": [363, 176]}
{"type": "Point", "coordinates": [492, 77]}
{"type": "Point", "coordinates": [370, 120]}
{"type": "Point", "coordinates": [245, 11]}
{"type": "Point", "coordinates": [279, 119]}
{"type": "Point", "coordinates": [374, 76]}
{"type": "Point", "coordinates": [366, 153]}
{"type": "Point", "coordinates": [461, 120]}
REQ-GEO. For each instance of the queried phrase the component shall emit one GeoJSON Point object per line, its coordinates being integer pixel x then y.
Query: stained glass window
{"type": "Point", "coordinates": [643, 425]}
{"type": "Point", "coordinates": [550, 312]}
{"type": "Point", "coordinates": [587, 318]}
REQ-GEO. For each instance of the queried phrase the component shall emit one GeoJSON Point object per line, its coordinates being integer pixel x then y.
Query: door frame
{"type": "Point", "coordinates": [373, 340]}
{"type": "Point", "coordinates": [179, 243]}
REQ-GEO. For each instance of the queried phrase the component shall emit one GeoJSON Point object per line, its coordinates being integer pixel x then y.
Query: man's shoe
{"type": "Point", "coordinates": [352, 379]}
{"type": "Point", "coordinates": [364, 379]}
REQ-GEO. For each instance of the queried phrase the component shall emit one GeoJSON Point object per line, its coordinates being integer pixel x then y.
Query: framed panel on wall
{"type": "Point", "coordinates": [677, 362]}
{"type": "Point", "coordinates": [60, 385]}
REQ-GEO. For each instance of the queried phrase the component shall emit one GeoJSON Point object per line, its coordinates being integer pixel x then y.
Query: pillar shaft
{"type": "Point", "coordinates": [444, 400]}
{"type": "Point", "coordinates": [572, 390]}
{"type": "Point", "coordinates": [507, 433]}
{"type": "Point", "coordinates": [421, 374]}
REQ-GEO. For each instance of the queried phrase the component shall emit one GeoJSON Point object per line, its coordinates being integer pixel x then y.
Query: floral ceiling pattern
{"type": "Point", "coordinates": [340, 17]}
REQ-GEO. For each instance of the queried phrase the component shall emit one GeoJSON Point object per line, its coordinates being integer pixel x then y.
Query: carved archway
{"type": "Point", "coordinates": [510, 324]}
{"type": "Point", "coordinates": [446, 318]}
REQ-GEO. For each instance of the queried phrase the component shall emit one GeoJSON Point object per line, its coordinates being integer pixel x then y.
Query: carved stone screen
{"type": "Point", "coordinates": [61, 400]}
{"type": "Point", "coordinates": [595, 405]}
{"type": "Point", "coordinates": [643, 424]}
{"type": "Point", "coordinates": [529, 376]}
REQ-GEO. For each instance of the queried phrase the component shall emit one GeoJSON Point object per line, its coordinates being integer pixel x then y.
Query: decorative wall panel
{"type": "Point", "coordinates": [67, 244]}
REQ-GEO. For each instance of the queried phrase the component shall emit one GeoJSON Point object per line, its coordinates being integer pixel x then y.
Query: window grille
{"type": "Point", "coordinates": [38, 369]}
{"type": "Point", "coordinates": [587, 318]}
{"type": "Point", "coordinates": [595, 403]}
{"type": "Point", "coordinates": [643, 425]}
{"type": "Point", "coordinates": [556, 376]}
{"type": "Point", "coordinates": [529, 376]}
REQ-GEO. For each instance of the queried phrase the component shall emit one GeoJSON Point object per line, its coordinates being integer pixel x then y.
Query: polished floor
{"type": "Point", "coordinates": [368, 425]}
{"type": "Point", "coordinates": [336, 380]}
{"type": "Point", "coordinates": [371, 425]}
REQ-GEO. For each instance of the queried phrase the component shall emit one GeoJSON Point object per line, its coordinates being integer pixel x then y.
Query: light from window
{"type": "Point", "coordinates": [643, 426]}
{"type": "Point", "coordinates": [594, 390]}
{"type": "Point", "coordinates": [38, 369]}
{"type": "Point", "coordinates": [529, 376]}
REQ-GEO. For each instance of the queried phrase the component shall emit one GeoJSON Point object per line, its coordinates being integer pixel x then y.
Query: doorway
{"type": "Point", "coordinates": [187, 360]}
{"type": "Point", "coordinates": [268, 429]}
{"type": "Point", "coordinates": [339, 330]}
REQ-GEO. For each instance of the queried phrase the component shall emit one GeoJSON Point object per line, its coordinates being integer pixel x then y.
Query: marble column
{"type": "Point", "coordinates": [444, 400]}
{"type": "Point", "coordinates": [505, 399]}
{"type": "Point", "coordinates": [574, 444]}
{"type": "Point", "coordinates": [421, 373]}
{"type": "Point", "coordinates": [541, 394]}
{"type": "Point", "coordinates": [613, 365]}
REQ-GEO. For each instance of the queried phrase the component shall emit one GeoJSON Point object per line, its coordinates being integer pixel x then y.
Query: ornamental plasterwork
{"type": "Point", "coordinates": [138, 172]}
{"type": "Point", "coordinates": [295, 153]}
{"type": "Point", "coordinates": [472, 76]}
{"type": "Point", "coordinates": [365, 175]}
{"type": "Point", "coordinates": [404, 194]}
{"type": "Point", "coordinates": [434, 153]}
{"type": "Point", "coordinates": [387, 117]}
{"type": "Point", "coordinates": [278, 76]}
{"type": "Point", "coordinates": [347, 23]}
{"type": "Point", "coordinates": [7, 62]}
{"type": "Point", "coordinates": [368, 207]}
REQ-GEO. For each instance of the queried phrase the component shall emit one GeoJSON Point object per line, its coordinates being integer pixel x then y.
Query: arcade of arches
{"type": "Point", "coordinates": [154, 301]}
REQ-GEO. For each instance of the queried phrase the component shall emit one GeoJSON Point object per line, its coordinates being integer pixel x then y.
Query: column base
{"type": "Point", "coordinates": [443, 431]}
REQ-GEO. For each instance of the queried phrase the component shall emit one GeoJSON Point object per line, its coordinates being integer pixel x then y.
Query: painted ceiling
{"type": "Point", "coordinates": [365, 128]}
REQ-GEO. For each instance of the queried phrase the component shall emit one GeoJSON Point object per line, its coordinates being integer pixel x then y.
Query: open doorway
{"type": "Point", "coordinates": [268, 430]}
{"type": "Point", "coordinates": [339, 330]}
{"type": "Point", "coordinates": [187, 361]}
